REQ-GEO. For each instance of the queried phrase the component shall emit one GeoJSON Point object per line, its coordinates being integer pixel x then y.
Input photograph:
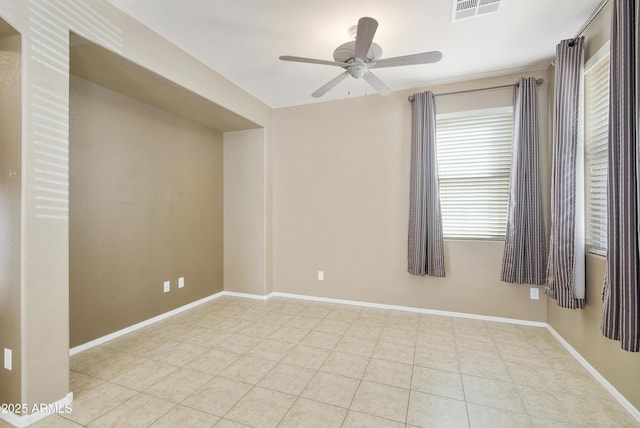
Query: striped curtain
{"type": "Point", "coordinates": [426, 244]}
{"type": "Point", "coordinates": [523, 260]}
{"type": "Point", "coordinates": [565, 268]}
{"type": "Point", "coordinates": [621, 293]}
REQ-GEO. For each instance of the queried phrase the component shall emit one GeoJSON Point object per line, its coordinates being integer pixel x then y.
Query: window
{"type": "Point", "coordinates": [474, 161]}
{"type": "Point", "coordinates": [596, 90]}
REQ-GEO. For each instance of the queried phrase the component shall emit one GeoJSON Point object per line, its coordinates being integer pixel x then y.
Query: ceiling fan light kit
{"type": "Point", "coordinates": [359, 56]}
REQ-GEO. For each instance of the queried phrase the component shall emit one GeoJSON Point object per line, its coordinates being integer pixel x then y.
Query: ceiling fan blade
{"type": "Point", "coordinates": [330, 84]}
{"type": "Point", "coordinates": [312, 60]}
{"type": "Point", "coordinates": [377, 84]}
{"type": "Point", "coordinates": [366, 30]}
{"type": "Point", "coordinates": [421, 58]}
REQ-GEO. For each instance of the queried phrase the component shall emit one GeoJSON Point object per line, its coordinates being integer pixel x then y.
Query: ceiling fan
{"type": "Point", "coordinates": [360, 56]}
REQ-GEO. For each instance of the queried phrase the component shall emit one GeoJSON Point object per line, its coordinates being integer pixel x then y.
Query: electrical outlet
{"type": "Point", "coordinates": [181, 282]}
{"type": "Point", "coordinates": [8, 363]}
{"type": "Point", "coordinates": [167, 286]}
{"type": "Point", "coordinates": [534, 293]}
{"type": "Point", "coordinates": [320, 275]}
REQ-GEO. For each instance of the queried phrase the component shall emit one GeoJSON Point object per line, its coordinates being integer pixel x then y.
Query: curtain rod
{"type": "Point", "coordinates": [538, 82]}
{"type": "Point", "coordinates": [590, 20]}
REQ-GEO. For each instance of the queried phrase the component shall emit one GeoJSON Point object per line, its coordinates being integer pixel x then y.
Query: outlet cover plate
{"type": "Point", "coordinates": [181, 282]}
{"type": "Point", "coordinates": [320, 275]}
{"type": "Point", "coordinates": [8, 363]}
{"type": "Point", "coordinates": [534, 293]}
{"type": "Point", "coordinates": [167, 286]}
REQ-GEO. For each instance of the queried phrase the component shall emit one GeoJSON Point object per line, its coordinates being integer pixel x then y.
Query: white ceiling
{"type": "Point", "coordinates": [242, 39]}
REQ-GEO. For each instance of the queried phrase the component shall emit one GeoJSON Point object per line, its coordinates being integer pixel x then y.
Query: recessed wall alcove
{"type": "Point", "coordinates": [147, 192]}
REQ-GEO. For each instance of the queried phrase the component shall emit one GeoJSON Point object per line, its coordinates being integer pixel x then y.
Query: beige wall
{"type": "Point", "coordinates": [10, 146]}
{"type": "Point", "coordinates": [145, 207]}
{"type": "Point", "coordinates": [581, 328]}
{"type": "Point", "coordinates": [341, 198]}
{"type": "Point", "coordinates": [245, 242]}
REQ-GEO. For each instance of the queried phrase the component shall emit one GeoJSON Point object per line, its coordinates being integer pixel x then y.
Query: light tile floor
{"type": "Point", "coordinates": [237, 362]}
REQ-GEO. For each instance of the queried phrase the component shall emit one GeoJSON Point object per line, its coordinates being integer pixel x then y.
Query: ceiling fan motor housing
{"type": "Point", "coordinates": [345, 52]}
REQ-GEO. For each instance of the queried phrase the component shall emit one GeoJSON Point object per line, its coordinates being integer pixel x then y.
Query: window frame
{"type": "Point", "coordinates": [597, 245]}
{"type": "Point", "coordinates": [476, 113]}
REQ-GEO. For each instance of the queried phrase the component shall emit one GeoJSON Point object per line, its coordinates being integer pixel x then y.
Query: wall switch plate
{"type": "Point", "coordinates": [181, 282]}
{"type": "Point", "coordinates": [320, 275]}
{"type": "Point", "coordinates": [8, 363]}
{"type": "Point", "coordinates": [534, 293]}
{"type": "Point", "coordinates": [167, 286]}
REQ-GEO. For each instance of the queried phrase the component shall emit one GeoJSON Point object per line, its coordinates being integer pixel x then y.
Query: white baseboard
{"type": "Point", "coordinates": [41, 412]}
{"type": "Point", "coordinates": [145, 323]}
{"type": "Point", "coordinates": [411, 309]}
{"type": "Point", "coordinates": [619, 397]}
{"type": "Point", "coordinates": [247, 295]}
{"type": "Point", "coordinates": [604, 382]}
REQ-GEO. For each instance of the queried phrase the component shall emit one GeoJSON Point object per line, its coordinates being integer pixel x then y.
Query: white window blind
{"type": "Point", "coordinates": [596, 134]}
{"type": "Point", "coordinates": [474, 161]}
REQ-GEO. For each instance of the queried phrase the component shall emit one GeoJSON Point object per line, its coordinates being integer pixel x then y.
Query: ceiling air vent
{"type": "Point", "coordinates": [465, 9]}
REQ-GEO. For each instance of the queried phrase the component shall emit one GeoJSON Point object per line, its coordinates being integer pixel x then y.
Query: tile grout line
{"type": "Point", "coordinates": [464, 394]}
{"type": "Point", "coordinates": [519, 395]}
{"type": "Point", "coordinates": [413, 366]}
{"type": "Point", "coordinates": [299, 396]}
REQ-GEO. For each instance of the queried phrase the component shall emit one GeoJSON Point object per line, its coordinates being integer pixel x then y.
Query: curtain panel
{"type": "Point", "coordinates": [524, 247]}
{"type": "Point", "coordinates": [426, 243]}
{"type": "Point", "coordinates": [566, 264]}
{"type": "Point", "coordinates": [621, 292]}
